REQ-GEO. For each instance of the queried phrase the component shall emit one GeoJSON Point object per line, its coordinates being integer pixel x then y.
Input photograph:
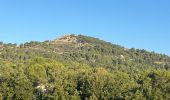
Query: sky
{"type": "Point", "coordinates": [143, 24]}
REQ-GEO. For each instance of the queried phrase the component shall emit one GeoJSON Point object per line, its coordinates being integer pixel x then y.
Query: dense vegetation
{"type": "Point", "coordinates": [81, 68]}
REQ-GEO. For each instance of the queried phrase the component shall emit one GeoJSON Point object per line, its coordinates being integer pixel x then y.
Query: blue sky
{"type": "Point", "coordinates": [130, 23]}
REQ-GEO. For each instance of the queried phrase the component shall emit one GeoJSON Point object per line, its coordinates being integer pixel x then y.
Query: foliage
{"type": "Point", "coordinates": [90, 69]}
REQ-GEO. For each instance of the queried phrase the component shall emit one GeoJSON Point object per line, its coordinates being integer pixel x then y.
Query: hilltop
{"type": "Point", "coordinates": [89, 50]}
{"type": "Point", "coordinates": [81, 67]}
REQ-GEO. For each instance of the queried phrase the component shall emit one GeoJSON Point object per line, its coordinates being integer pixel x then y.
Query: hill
{"type": "Point", "coordinates": [80, 67]}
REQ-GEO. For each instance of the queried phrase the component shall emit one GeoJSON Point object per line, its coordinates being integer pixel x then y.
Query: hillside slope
{"type": "Point", "coordinates": [86, 50]}
{"type": "Point", "coordinates": [80, 67]}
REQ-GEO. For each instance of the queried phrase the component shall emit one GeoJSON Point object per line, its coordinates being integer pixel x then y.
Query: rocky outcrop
{"type": "Point", "coordinates": [67, 38]}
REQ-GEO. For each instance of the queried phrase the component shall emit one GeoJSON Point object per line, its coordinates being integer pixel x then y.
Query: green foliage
{"type": "Point", "coordinates": [89, 69]}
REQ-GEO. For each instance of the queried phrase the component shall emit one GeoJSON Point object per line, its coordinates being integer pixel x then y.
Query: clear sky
{"type": "Point", "coordinates": [130, 23]}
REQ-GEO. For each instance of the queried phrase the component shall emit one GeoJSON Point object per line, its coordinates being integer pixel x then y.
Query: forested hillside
{"type": "Point", "coordinates": [81, 68]}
